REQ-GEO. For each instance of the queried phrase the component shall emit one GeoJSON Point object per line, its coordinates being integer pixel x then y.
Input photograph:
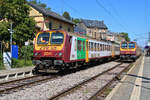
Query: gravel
{"type": "Point", "coordinates": [48, 89]}
{"type": "Point", "coordinates": [89, 89]}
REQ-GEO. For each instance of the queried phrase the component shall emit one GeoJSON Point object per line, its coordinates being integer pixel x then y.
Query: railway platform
{"type": "Point", "coordinates": [15, 72]}
{"type": "Point", "coordinates": [135, 85]}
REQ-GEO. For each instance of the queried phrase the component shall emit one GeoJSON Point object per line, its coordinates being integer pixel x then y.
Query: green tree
{"type": "Point", "coordinates": [67, 15]}
{"type": "Point", "coordinates": [40, 4]}
{"type": "Point", "coordinates": [126, 36]}
{"type": "Point", "coordinates": [76, 20]}
{"type": "Point", "coordinates": [16, 12]}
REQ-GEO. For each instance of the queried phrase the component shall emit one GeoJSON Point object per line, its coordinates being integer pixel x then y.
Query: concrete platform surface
{"type": "Point", "coordinates": [136, 83]}
{"type": "Point", "coordinates": [15, 70]}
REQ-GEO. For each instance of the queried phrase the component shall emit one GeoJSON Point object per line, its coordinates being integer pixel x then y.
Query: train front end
{"type": "Point", "coordinates": [128, 51]}
{"type": "Point", "coordinates": [48, 50]}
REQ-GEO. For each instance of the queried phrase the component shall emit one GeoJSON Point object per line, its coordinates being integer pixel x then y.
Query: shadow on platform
{"type": "Point", "coordinates": [128, 82]}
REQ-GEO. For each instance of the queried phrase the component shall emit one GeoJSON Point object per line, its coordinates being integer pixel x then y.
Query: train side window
{"type": "Point", "coordinates": [83, 45]}
{"type": "Point", "coordinates": [95, 46]}
{"type": "Point", "coordinates": [79, 45]}
{"type": "Point", "coordinates": [100, 47]}
{"type": "Point", "coordinates": [91, 46]}
{"type": "Point", "coordinates": [70, 39]}
{"type": "Point", "coordinates": [75, 42]}
{"type": "Point", "coordinates": [107, 47]}
{"type": "Point", "coordinates": [86, 45]}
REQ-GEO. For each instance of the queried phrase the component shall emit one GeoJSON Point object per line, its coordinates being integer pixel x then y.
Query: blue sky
{"type": "Point", "coordinates": [131, 16]}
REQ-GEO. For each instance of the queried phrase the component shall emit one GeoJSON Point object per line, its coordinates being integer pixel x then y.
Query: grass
{"type": "Point", "coordinates": [17, 63]}
{"type": "Point", "coordinates": [2, 66]}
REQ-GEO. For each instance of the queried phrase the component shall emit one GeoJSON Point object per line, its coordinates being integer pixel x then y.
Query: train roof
{"type": "Point", "coordinates": [80, 35]}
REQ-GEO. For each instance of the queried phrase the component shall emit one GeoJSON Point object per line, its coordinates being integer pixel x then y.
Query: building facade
{"type": "Point", "coordinates": [47, 19]}
{"type": "Point", "coordinates": [94, 29]}
{"type": "Point", "coordinates": [115, 37]}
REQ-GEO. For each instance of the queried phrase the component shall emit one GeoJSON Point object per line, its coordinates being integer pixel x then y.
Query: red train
{"type": "Point", "coordinates": [57, 49]}
{"type": "Point", "coordinates": [129, 51]}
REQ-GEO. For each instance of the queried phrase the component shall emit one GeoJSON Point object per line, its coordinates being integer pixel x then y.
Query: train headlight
{"type": "Point", "coordinates": [36, 54]}
{"type": "Point", "coordinates": [60, 54]}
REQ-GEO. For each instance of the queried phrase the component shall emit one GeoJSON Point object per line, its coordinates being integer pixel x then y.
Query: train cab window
{"type": "Point", "coordinates": [57, 38]}
{"type": "Point", "coordinates": [43, 38]}
{"type": "Point", "coordinates": [131, 45]}
{"type": "Point", "coordinates": [79, 45]}
{"type": "Point", "coordinates": [124, 45]}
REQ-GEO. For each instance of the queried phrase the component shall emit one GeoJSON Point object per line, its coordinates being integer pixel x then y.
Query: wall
{"type": "Point", "coordinates": [43, 22]}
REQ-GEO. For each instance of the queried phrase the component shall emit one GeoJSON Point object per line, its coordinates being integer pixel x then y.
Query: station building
{"type": "Point", "coordinates": [47, 19]}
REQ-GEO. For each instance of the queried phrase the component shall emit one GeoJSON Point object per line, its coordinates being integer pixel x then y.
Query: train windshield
{"type": "Point", "coordinates": [131, 45]}
{"type": "Point", "coordinates": [124, 45]}
{"type": "Point", "coordinates": [57, 38]}
{"type": "Point", "coordinates": [43, 38]}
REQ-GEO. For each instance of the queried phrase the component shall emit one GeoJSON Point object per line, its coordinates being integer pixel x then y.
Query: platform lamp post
{"type": "Point", "coordinates": [11, 32]}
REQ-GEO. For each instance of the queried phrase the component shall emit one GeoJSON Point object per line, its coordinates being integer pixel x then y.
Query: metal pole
{"type": "Point", "coordinates": [148, 36]}
{"type": "Point", "coordinates": [11, 32]}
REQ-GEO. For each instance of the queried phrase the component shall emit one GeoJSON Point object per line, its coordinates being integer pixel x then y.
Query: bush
{"type": "Point", "coordinates": [1, 61]}
{"type": "Point", "coordinates": [26, 52]}
{"type": "Point", "coordinates": [16, 63]}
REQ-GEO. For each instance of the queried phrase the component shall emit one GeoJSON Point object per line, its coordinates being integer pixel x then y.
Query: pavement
{"type": "Point", "coordinates": [135, 85]}
{"type": "Point", "coordinates": [15, 70]}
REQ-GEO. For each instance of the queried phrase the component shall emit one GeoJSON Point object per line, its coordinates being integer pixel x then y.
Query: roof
{"type": "Point", "coordinates": [50, 13]}
{"type": "Point", "coordinates": [94, 23]}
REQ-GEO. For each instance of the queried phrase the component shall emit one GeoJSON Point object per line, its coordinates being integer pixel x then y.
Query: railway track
{"type": "Point", "coordinates": [10, 86]}
{"type": "Point", "coordinates": [104, 78]}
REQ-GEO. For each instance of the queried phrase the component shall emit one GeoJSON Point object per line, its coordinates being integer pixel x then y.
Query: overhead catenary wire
{"type": "Point", "coordinates": [110, 14]}
{"type": "Point", "coordinates": [73, 9]}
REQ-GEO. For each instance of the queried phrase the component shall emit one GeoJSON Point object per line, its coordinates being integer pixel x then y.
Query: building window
{"type": "Point", "coordinates": [69, 29]}
{"type": "Point", "coordinates": [50, 25]}
{"type": "Point", "coordinates": [60, 26]}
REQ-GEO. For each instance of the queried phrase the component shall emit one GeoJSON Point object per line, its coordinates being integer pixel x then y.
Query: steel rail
{"type": "Point", "coordinates": [69, 90]}
{"type": "Point", "coordinates": [101, 90]}
{"type": "Point", "coordinates": [16, 84]}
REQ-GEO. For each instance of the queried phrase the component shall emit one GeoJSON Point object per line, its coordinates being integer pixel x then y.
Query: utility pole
{"type": "Point", "coordinates": [11, 32]}
{"type": "Point", "coordinates": [148, 36]}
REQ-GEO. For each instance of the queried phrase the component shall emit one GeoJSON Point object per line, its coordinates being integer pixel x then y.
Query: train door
{"type": "Point", "coordinates": [113, 50]}
{"type": "Point", "coordinates": [87, 58]}
{"type": "Point", "coordinates": [80, 48]}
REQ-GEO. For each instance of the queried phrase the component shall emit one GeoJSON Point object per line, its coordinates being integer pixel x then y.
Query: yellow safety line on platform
{"type": "Point", "coordinates": [137, 88]}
